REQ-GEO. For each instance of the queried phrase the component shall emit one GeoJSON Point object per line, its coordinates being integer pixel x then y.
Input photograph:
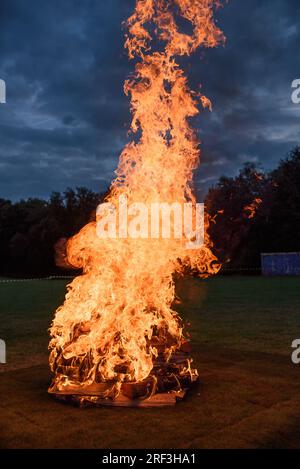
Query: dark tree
{"type": "Point", "coordinates": [283, 229]}
{"type": "Point", "coordinates": [233, 205]}
{"type": "Point", "coordinates": [256, 212]}
{"type": "Point", "coordinates": [30, 229]}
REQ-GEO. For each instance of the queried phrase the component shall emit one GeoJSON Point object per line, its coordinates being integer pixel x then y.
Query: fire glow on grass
{"type": "Point", "coordinates": [117, 325]}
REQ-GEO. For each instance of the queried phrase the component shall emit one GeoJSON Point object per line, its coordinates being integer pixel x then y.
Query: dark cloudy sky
{"type": "Point", "coordinates": [66, 118]}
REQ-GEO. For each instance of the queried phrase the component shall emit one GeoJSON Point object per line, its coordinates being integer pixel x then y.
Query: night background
{"type": "Point", "coordinates": [64, 124]}
{"type": "Point", "coordinates": [66, 118]}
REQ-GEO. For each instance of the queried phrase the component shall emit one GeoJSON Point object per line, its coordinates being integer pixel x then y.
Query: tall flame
{"type": "Point", "coordinates": [118, 314]}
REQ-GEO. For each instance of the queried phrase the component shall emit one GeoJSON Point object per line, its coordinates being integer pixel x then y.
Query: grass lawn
{"type": "Point", "coordinates": [248, 396]}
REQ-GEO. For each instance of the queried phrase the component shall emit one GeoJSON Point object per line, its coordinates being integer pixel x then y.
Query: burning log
{"type": "Point", "coordinates": [169, 378]}
{"type": "Point", "coordinates": [140, 390]}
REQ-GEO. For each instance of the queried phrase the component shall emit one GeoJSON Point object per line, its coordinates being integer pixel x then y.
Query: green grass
{"type": "Point", "coordinates": [259, 314]}
{"type": "Point", "coordinates": [26, 310]}
{"type": "Point", "coordinates": [241, 328]}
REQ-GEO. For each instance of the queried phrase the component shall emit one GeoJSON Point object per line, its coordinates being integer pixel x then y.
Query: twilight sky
{"type": "Point", "coordinates": [66, 117]}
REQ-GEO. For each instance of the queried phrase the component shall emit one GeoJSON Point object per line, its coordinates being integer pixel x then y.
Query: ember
{"type": "Point", "coordinates": [117, 339]}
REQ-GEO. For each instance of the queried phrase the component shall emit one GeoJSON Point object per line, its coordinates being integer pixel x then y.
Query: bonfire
{"type": "Point", "coordinates": [118, 339]}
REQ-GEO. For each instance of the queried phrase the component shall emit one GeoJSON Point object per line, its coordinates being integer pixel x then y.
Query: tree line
{"type": "Point", "coordinates": [256, 212]}
{"type": "Point", "coordinates": [250, 213]}
{"type": "Point", "coordinates": [30, 229]}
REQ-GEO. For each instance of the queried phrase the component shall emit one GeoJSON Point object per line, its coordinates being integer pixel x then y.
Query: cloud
{"type": "Point", "coordinates": [66, 117]}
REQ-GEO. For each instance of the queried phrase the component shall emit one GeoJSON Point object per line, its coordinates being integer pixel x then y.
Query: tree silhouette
{"type": "Point", "coordinates": [256, 212]}
{"type": "Point", "coordinates": [251, 213]}
{"type": "Point", "coordinates": [30, 229]}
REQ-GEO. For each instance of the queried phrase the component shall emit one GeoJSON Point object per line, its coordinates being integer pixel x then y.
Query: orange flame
{"type": "Point", "coordinates": [250, 210]}
{"type": "Point", "coordinates": [117, 317]}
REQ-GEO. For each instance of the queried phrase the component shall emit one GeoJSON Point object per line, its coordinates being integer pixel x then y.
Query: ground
{"type": "Point", "coordinates": [248, 395]}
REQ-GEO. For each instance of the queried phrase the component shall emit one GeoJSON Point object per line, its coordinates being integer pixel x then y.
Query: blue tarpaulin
{"type": "Point", "coordinates": [283, 263]}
